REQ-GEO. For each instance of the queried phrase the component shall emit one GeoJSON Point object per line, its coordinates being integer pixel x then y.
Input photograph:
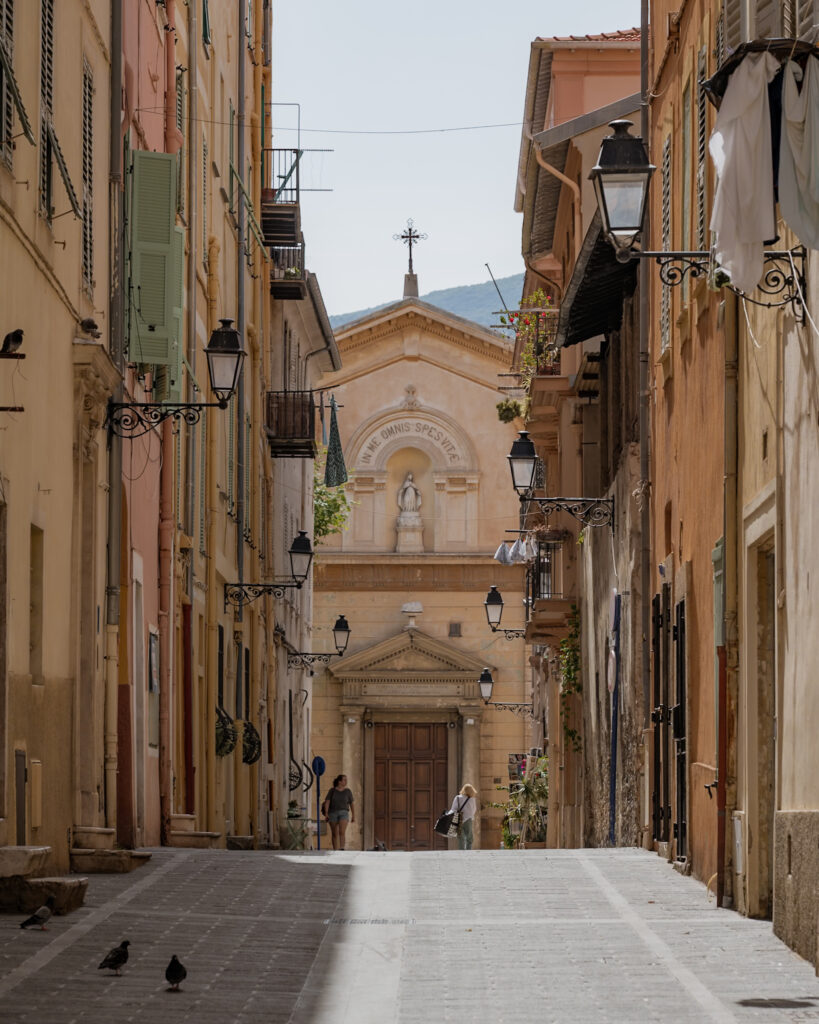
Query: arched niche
{"type": "Point", "coordinates": [427, 443]}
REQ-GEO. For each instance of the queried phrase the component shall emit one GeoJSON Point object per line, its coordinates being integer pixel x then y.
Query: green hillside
{"type": "Point", "coordinates": [477, 302]}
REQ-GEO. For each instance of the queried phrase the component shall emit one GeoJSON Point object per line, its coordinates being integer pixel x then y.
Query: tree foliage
{"type": "Point", "coordinates": [331, 506]}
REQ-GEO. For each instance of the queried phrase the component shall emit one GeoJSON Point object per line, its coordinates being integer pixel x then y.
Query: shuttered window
{"type": "Point", "coordinates": [6, 89]}
{"type": "Point", "coordinates": [204, 201]}
{"type": "Point", "coordinates": [686, 177]}
{"type": "Point", "coordinates": [248, 460]}
{"type": "Point", "coordinates": [732, 11]}
{"type": "Point", "coordinates": [231, 456]}
{"type": "Point", "coordinates": [181, 97]}
{"type": "Point", "coordinates": [702, 148]}
{"type": "Point", "coordinates": [205, 23]}
{"type": "Point", "coordinates": [767, 19]}
{"type": "Point", "coordinates": [719, 40]}
{"type": "Point", "coordinates": [665, 221]}
{"type": "Point", "coordinates": [87, 178]}
{"type": "Point", "coordinates": [202, 472]}
{"type": "Point", "coordinates": [46, 105]}
{"type": "Point", "coordinates": [154, 294]}
{"type": "Point", "coordinates": [806, 16]}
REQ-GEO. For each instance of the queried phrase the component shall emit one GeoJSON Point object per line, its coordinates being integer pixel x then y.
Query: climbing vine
{"type": "Point", "coordinates": [571, 679]}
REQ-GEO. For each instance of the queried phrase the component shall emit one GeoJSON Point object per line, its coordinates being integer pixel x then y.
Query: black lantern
{"type": "Point", "coordinates": [301, 555]}
{"type": "Point", "coordinates": [523, 463]}
{"type": "Point", "coordinates": [341, 634]}
{"type": "Point", "coordinates": [486, 682]}
{"type": "Point", "coordinates": [494, 608]}
{"type": "Point", "coordinates": [225, 355]}
{"type": "Point", "coordinates": [620, 180]}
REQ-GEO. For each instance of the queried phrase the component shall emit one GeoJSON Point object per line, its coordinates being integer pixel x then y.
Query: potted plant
{"type": "Point", "coordinates": [525, 818]}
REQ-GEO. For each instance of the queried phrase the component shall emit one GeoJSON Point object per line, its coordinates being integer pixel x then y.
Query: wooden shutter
{"type": "Point", "coordinates": [87, 177]}
{"type": "Point", "coordinates": [806, 16]}
{"type": "Point", "coordinates": [181, 97]}
{"type": "Point", "coordinates": [767, 19]}
{"type": "Point", "coordinates": [702, 148]}
{"type": "Point", "coordinates": [204, 200]}
{"type": "Point", "coordinates": [665, 221]}
{"type": "Point", "coordinates": [248, 460]}
{"type": "Point", "coordinates": [205, 23]}
{"type": "Point", "coordinates": [732, 12]}
{"type": "Point", "coordinates": [202, 475]}
{"type": "Point", "coordinates": [231, 456]}
{"type": "Point", "coordinates": [176, 284]}
{"type": "Point", "coordinates": [151, 295]}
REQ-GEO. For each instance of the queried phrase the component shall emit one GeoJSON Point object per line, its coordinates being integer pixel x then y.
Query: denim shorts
{"type": "Point", "coordinates": [337, 816]}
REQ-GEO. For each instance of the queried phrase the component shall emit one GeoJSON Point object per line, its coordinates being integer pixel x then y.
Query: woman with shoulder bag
{"type": "Point", "coordinates": [465, 806]}
{"type": "Point", "coordinates": [338, 808]}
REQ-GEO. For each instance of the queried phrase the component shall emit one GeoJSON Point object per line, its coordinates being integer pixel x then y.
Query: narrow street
{"type": "Point", "coordinates": [589, 935]}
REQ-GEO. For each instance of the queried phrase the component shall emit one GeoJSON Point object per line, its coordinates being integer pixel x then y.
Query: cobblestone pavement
{"type": "Point", "coordinates": [491, 936]}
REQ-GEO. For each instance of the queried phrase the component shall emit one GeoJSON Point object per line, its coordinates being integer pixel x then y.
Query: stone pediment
{"type": "Point", "coordinates": [410, 653]}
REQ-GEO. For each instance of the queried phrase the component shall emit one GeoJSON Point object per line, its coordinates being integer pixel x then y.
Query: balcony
{"type": "Point", "coordinates": [549, 610]}
{"type": "Point", "coordinates": [288, 279]}
{"type": "Point", "coordinates": [281, 214]}
{"type": "Point", "coordinates": [290, 424]}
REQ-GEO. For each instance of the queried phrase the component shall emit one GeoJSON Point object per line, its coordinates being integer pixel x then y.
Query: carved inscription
{"type": "Point", "coordinates": [409, 429]}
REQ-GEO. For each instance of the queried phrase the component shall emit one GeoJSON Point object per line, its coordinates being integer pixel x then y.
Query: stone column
{"type": "Point", "coordinates": [471, 760]}
{"type": "Point", "coordinates": [352, 757]}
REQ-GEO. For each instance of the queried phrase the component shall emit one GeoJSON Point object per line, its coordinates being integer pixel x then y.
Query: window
{"type": "Point", "coordinates": [220, 666]}
{"type": "Point", "coordinates": [231, 457]}
{"type": "Point", "coordinates": [665, 221]}
{"type": "Point", "coordinates": [181, 96]}
{"type": "Point", "coordinates": [9, 90]}
{"type": "Point", "coordinates": [205, 23]}
{"type": "Point", "coordinates": [248, 531]}
{"type": "Point", "coordinates": [87, 178]}
{"type": "Point", "coordinates": [204, 201]}
{"type": "Point", "coordinates": [454, 629]}
{"type": "Point", "coordinates": [36, 596]}
{"type": "Point", "coordinates": [46, 105]}
{"type": "Point", "coordinates": [202, 471]}
{"type": "Point", "coordinates": [686, 177]}
{"type": "Point", "coordinates": [247, 682]}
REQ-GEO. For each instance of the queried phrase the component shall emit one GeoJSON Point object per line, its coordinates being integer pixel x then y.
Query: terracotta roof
{"type": "Point", "coordinates": [621, 36]}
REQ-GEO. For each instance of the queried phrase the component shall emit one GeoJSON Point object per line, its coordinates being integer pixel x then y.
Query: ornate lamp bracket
{"type": "Point", "coordinates": [784, 275]}
{"type": "Point", "coordinates": [133, 419]}
{"type": "Point", "coordinates": [588, 511]}
{"type": "Point", "coordinates": [510, 634]}
{"type": "Point", "coordinates": [305, 660]}
{"type": "Point", "coordinates": [240, 594]}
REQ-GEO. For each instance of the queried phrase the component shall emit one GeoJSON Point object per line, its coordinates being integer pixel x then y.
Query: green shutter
{"type": "Point", "coordinates": [177, 346]}
{"type": "Point", "coordinates": [151, 296]}
{"type": "Point", "coordinates": [205, 23]}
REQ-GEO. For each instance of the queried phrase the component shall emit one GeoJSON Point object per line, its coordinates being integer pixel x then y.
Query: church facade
{"type": "Point", "coordinates": [401, 714]}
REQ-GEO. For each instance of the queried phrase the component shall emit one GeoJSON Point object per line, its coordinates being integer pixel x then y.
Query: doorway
{"type": "Point", "coordinates": [410, 788]}
{"type": "Point", "coordinates": [766, 729]}
{"type": "Point", "coordinates": [678, 723]}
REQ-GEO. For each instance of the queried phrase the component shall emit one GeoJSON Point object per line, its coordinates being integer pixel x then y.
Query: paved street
{"type": "Point", "coordinates": [592, 935]}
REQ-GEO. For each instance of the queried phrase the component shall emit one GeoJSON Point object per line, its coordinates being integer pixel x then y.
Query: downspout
{"type": "Point", "coordinates": [191, 461]}
{"type": "Point", "coordinates": [575, 189]}
{"type": "Point", "coordinates": [728, 656]}
{"type": "Point", "coordinates": [240, 305]}
{"type": "Point", "coordinates": [166, 502]}
{"type": "Point", "coordinates": [112, 592]}
{"type": "Point", "coordinates": [644, 425]}
{"type": "Point", "coordinates": [213, 518]}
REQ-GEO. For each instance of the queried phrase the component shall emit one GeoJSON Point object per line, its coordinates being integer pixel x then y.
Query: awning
{"type": "Point", "coordinates": [593, 301]}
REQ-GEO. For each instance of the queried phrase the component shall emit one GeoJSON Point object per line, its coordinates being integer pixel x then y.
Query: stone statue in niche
{"type": "Point", "coordinates": [409, 497]}
{"type": "Point", "coordinates": [410, 526]}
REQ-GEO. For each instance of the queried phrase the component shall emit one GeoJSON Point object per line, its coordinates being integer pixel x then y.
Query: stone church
{"type": "Point", "coordinates": [400, 713]}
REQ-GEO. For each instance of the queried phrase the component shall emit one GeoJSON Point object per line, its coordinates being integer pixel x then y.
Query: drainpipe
{"type": "Point", "coordinates": [575, 189]}
{"type": "Point", "coordinates": [728, 656]}
{"type": "Point", "coordinates": [213, 518]}
{"type": "Point", "coordinates": [115, 199]}
{"type": "Point", "coordinates": [240, 305]}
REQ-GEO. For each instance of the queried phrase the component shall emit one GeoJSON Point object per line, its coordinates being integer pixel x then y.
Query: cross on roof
{"type": "Point", "coordinates": [410, 237]}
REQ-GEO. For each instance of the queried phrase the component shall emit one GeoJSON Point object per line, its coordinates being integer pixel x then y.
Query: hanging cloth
{"type": "Point", "coordinates": [321, 417]}
{"type": "Point", "coordinates": [518, 552]}
{"type": "Point", "coordinates": [799, 152]}
{"type": "Point", "coordinates": [335, 472]}
{"type": "Point", "coordinates": [502, 554]}
{"type": "Point", "coordinates": [740, 146]}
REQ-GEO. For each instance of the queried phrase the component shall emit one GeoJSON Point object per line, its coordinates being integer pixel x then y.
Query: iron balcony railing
{"type": "Point", "coordinates": [291, 424]}
{"type": "Point", "coordinates": [544, 574]}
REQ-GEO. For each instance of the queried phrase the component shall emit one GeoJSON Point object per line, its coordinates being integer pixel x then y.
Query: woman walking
{"type": "Point", "coordinates": [338, 808]}
{"type": "Point", "coordinates": [465, 804]}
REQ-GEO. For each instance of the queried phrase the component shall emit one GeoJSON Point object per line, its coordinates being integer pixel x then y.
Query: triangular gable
{"type": "Point", "coordinates": [410, 652]}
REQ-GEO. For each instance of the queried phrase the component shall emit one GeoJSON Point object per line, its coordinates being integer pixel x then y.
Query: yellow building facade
{"type": "Point", "coordinates": [400, 714]}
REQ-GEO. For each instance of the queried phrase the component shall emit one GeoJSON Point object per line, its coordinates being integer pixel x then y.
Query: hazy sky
{"type": "Point", "coordinates": [386, 66]}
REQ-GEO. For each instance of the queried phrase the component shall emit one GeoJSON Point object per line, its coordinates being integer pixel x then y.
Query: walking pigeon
{"type": "Point", "coordinates": [175, 973]}
{"type": "Point", "coordinates": [117, 958]}
{"type": "Point", "coordinates": [12, 341]}
{"type": "Point", "coordinates": [39, 917]}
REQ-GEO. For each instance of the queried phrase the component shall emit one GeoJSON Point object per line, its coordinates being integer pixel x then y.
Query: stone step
{"type": "Point", "coordinates": [25, 861]}
{"type": "Point", "coordinates": [98, 862]}
{"type": "Point", "coordinates": [189, 839]}
{"type": "Point", "coordinates": [183, 822]}
{"type": "Point", "coordinates": [25, 895]}
{"type": "Point", "coordinates": [87, 837]}
{"type": "Point", "coordinates": [240, 842]}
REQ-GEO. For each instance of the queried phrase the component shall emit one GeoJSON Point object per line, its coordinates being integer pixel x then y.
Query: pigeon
{"type": "Point", "coordinates": [117, 958]}
{"type": "Point", "coordinates": [90, 326]}
{"type": "Point", "coordinates": [175, 973]}
{"type": "Point", "coordinates": [12, 341]}
{"type": "Point", "coordinates": [39, 917]}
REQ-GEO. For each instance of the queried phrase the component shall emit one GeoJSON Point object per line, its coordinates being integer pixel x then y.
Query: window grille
{"type": "Point", "coordinates": [702, 150]}
{"type": "Point", "coordinates": [87, 178]}
{"type": "Point", "coordinates": [665, 305]}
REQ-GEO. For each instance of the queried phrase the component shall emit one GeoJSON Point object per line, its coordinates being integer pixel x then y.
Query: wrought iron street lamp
{"type": "Point", "coordinates": [224, 353]}
{"type": "Point", "coordinates": [523, 463]}
{"type": "Point", "coordinates": [341, 637]}
{"type": "Point", "coordinates": [621, 178]}
{"type": "Point", "coordinates": [301, 556]}
{"type": "Point", "coordinates": [486, 684]}
{"type": "Point", "coordinates": [494, 611]}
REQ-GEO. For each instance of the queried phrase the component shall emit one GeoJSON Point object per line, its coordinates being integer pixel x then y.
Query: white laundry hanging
{"type": "Point", "coordinates": [502, 554]}
{"type": "Point", "coordinates": [743, 214]}
{"type": "Point", "coordinates": [799, 151]}
{"type": "Point", "coordinates": [518, 552]}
